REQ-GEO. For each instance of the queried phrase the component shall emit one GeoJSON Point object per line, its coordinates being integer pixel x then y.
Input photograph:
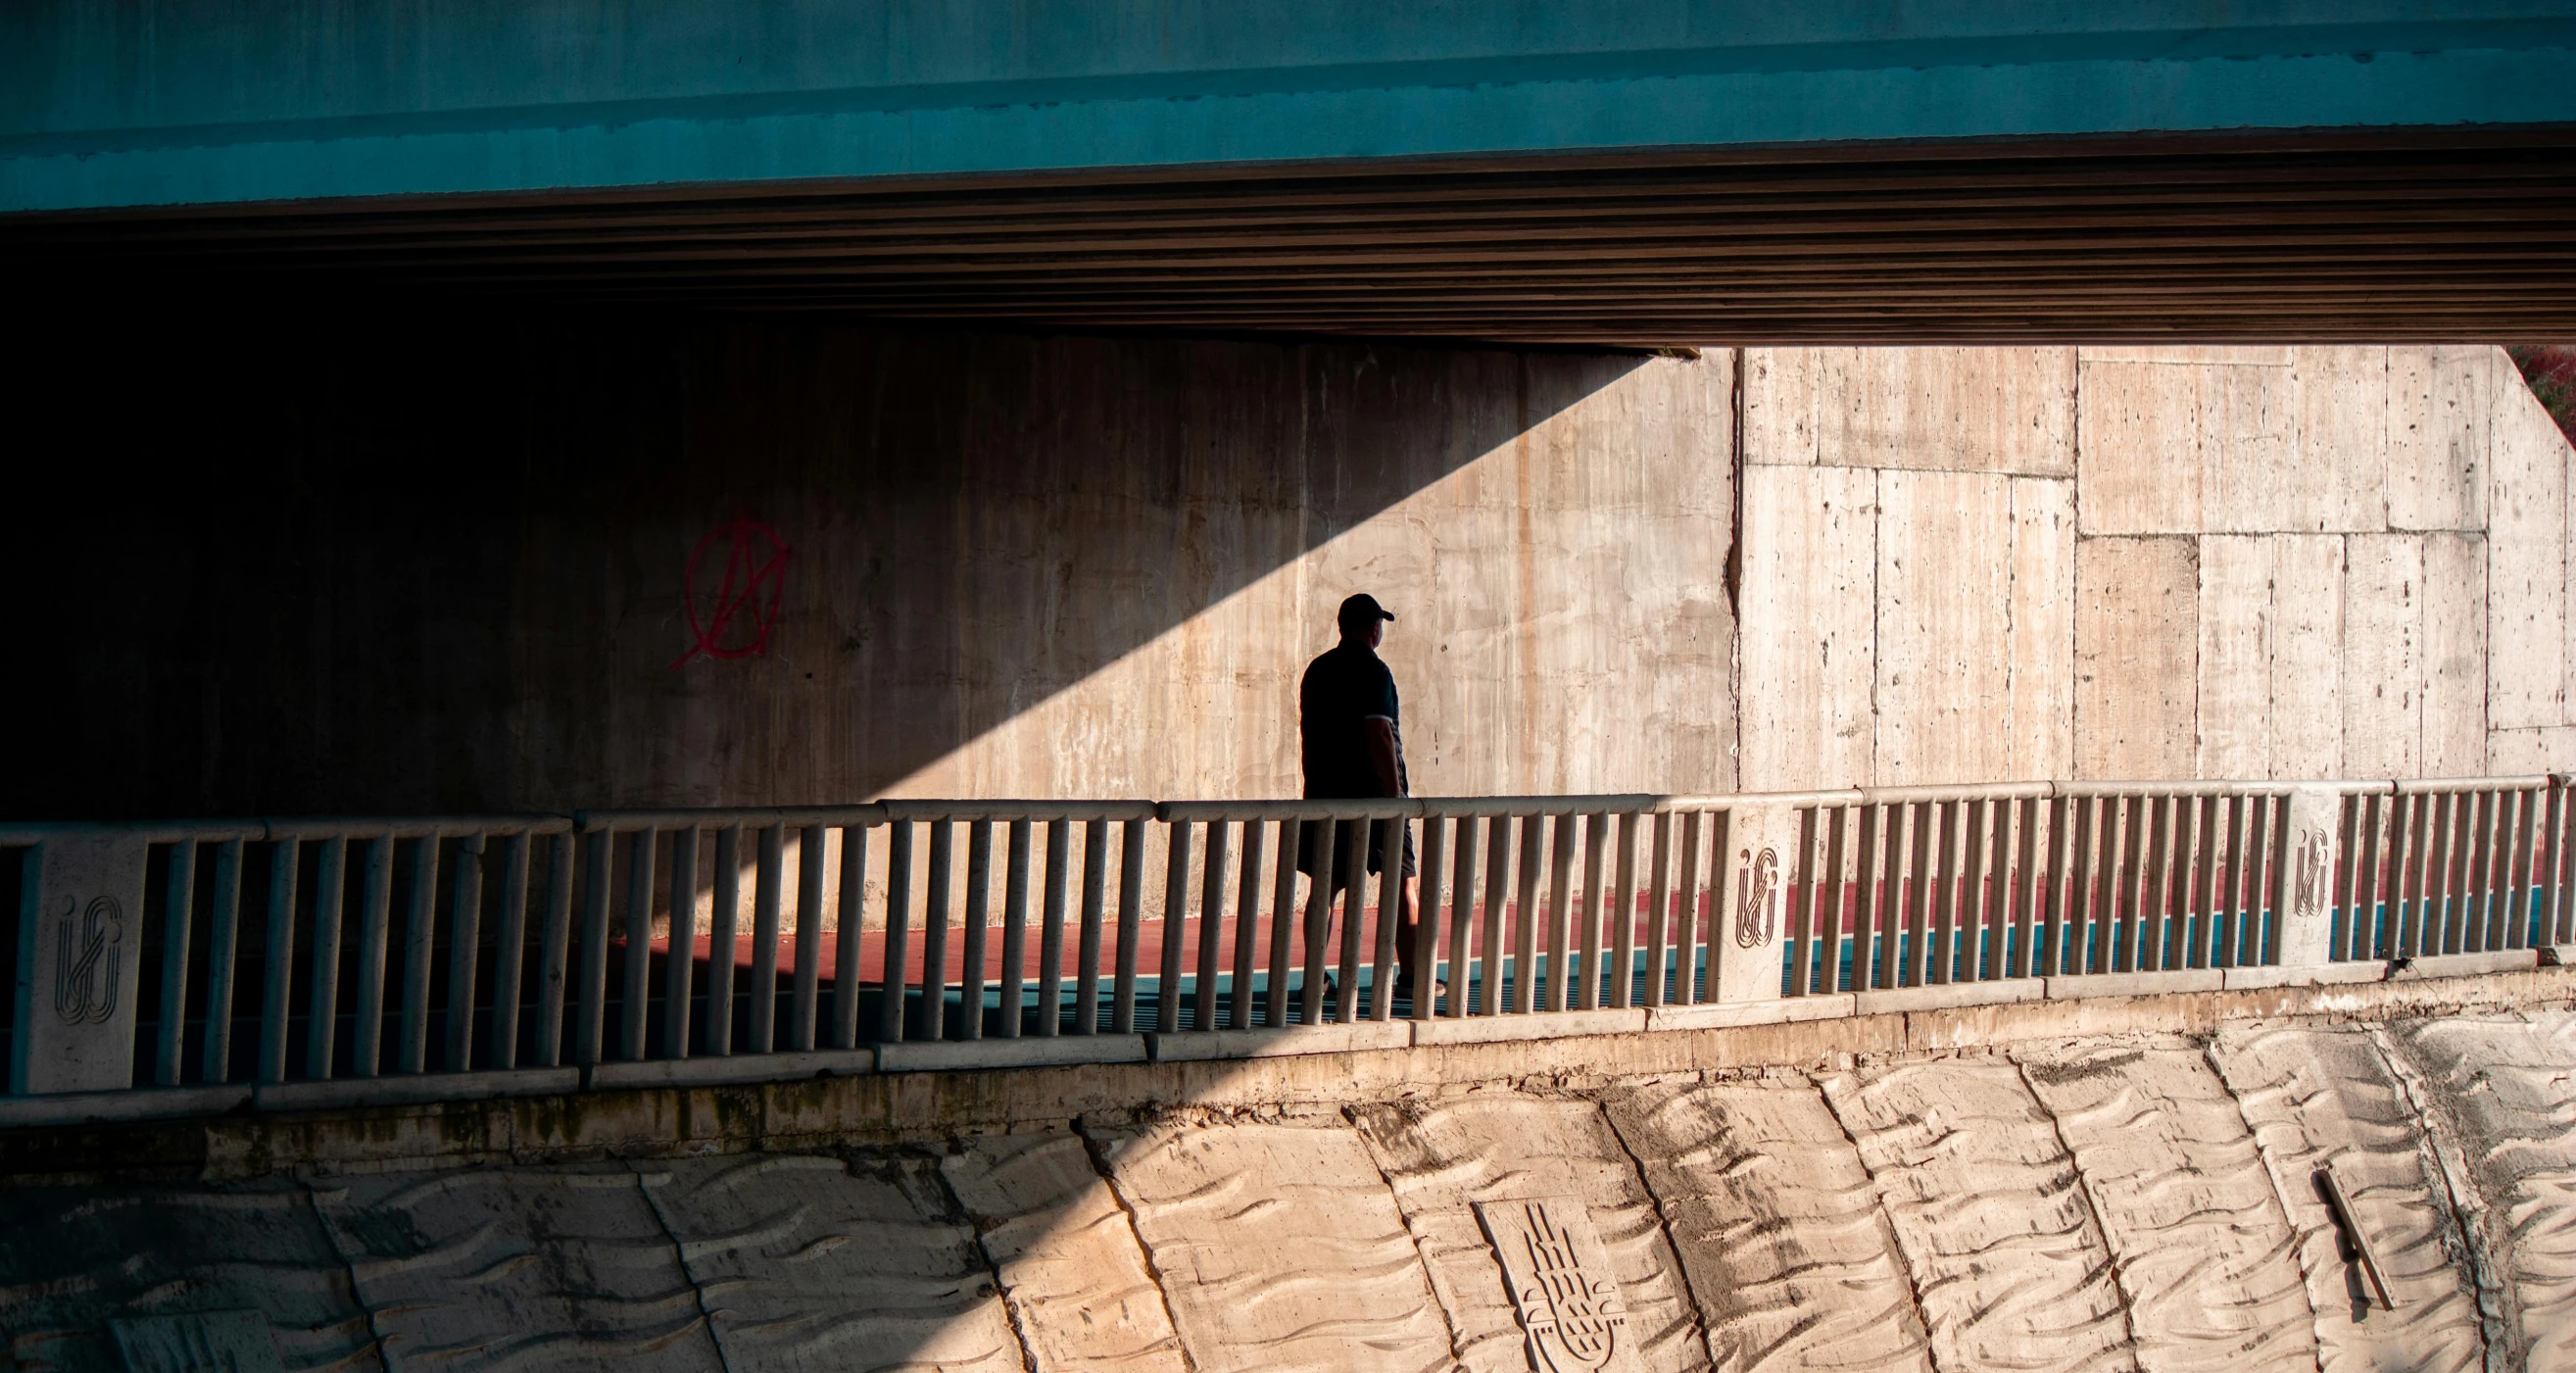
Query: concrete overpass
{"type": "Point", "coordinates": [1652, 173]}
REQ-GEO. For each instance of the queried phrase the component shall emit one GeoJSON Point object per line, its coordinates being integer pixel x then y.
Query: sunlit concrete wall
{"type": "Point", "coordinates": [1968, 564]}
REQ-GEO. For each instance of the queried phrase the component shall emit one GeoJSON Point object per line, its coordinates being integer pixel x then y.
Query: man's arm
{"type": "Point", "coordinates": [1381, 744]}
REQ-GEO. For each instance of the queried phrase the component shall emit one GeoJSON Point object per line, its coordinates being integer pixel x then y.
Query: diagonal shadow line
{"type": "Point", "coordinates": [356, 557]}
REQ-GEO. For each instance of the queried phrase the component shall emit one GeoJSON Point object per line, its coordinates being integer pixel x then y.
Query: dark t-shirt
{"type": "Point", "coordinates": [1341, 689]}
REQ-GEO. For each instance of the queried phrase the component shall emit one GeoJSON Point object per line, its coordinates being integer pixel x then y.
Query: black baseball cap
{"type": "Point", "coordinates": [1361, 611]}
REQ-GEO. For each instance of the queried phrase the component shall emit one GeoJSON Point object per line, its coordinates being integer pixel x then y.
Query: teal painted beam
{"type": "Point", "coordinates": [106, 105]}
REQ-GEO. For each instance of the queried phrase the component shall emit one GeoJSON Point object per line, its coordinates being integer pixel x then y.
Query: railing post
{"type": "Point", "coordinates": [1755, 870]}
{"type": "Point", "coordinates": [2302, 925]}
{"type": "Point", "coordinates": [79, 965]}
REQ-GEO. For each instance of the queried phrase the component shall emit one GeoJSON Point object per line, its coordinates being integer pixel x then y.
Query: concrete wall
{"type": "Point", "coordinates": [1965, 564]}
{"type": "Point", "coordinates": [435, 563]}
{"type": "Point", "coordinates": [334, 565]}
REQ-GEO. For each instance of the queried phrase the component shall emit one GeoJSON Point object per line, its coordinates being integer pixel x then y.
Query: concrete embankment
{"type": "Point", "coordinates": [2349, 1177]}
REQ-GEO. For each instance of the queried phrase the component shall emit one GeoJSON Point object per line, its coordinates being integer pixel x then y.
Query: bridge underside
{"type": "Point", "coordinates": [2457, 234]}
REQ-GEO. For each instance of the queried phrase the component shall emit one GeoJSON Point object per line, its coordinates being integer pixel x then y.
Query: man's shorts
{"type": "Point", "coordinates": [1315, 834]}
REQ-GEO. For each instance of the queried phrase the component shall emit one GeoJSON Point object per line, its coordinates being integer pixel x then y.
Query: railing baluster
{"type": "Point", "coordinates": [322, 1006]}
{"type": "Point", "coordinates": [1946, 892]}
{"type": "Point", "coordinates": [1623, 917]}
{"type": "Point", "coordinates": [1015, 932]}
{"type": "Point", "coordinates": [2470, 860]}
{"type": "Point", "coordinates": [805, 1010]}
{"type": "Point", "coordinates": [1211, 926]}
{"type": "Point", "coordinates": [768, 897]}
{"type": "Point", "coordinates": [1869, 961]}
{"type": "Point", "coordinates": [223, 948]}
{"type": "Point", "coordinates": [1967, 962]}
{"type": "Point", "coordinates": [1587, 990]}
{"type": "Point", "coordinates": [1659, 910]}
{"type": "Point", "coordinates": [1326, 837]}
{"type": "Point", "coordinates": [2135, 836]}
{"type": "Point", "coordinates": [556, 946]}
{"type": "Point", "coordinates": [598, 862]}
{"type": "Point", "coordinates": [979, 920]}
{"type": "Point", "coordinates": [2518, 929]}
{"type": "Point", "coordinates": [1560, 887]}
{"type": "Point", "coordinates": [2442, 900]}
{"type": "Point", "coordinates": [1247, 927]}
{"type": "Point", "coordinates": [277, 967]}
{"type": "Point", "coordinates": [1489, 936]}
{"type": "Point", "coordinates": [1836, 893]}
{"type": "Point", "coordinates": [510, 953]}
{"type": "Point", "coordinates": [420, 940]}
{"type": "Point", "coordinates": [2347, 878]}
{"type": "Point", "coordinates": [1922, 872]}
{"type": "Point", "coordinates": [2021, 953]}
{"type": "Point", "coordinates": [178, 919]}
{"type": "Point", "coordinates": [680, 952]}
{"type": "Point", "coordinates": [1354, 895]}
{"type": "Point", "coordinates": [1686, 935]}
{"type": "Point", "coordinates": [1806, 899]}
{"type": "Point", "coordinates": [633, 981]}
{"type": "Point", "coordinates": [2414, 836]}
{"type": "Point", "coordinates": [1095, 890]}
{"type": "Point", "coordinates": [1284, 921]}
{"type": "Point", "coordinates": [1997, 927]}
{"type": "Point", "coordinates": [2554, 907]}
{"type": "Point", "coordinates": [934, 931]}
{"type": "Point", "coordinates": [849, 942]}
{"type": "Point", "coordinates": [1426, 929]}
{"type": "Point", "coordinates": [1390, 906]}
{"type": "Point", "coordinates": [1059, 874]}
{"type": "Point", "coordinates": [1525, 915]}
{"type": "Point", "coordinates": [1462, 921]}
{"type": "Point", "coordinates": [1131, 922]}
{"type": "Point", "coordinates": [1176, 924]}
{"type": "Point", "coordinates": [897, 972]}
{"type": "Point", "coordinates": [464, 942]}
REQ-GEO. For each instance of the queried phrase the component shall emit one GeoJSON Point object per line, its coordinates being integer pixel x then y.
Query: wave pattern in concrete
{"type": "Point", "coordinates": [2319, 1097]}
{"type": "Point", "coordinates": [808, 1263]}
{"type": "Point", "coordinates": [2206, 1255]}
{"type": "Point", "coordinates": [1076, 1278]}
{"type": "Point", "coordinates": [2011, 1270]}
{"type": "Point", "coordinates": [1778, 1226]}
{"type": "Point", "coordinates": [2508, 1089]}
{"type": "Point", "coordinates": [1281, 1248]}
{"type": "Point", "coordinates": [72, 1259]}
{"type": "Point", "coordinates": [1495, 1146]}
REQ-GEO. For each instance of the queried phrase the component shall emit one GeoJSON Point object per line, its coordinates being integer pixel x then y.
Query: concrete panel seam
{"type": "Point", "coordinates": [1094, 1150]}
{"type": "Point", "coordinates": [2120, 1275]}
{"type": "Point", "coordinates": [2236, 1098]}
{"type": "Point", "coordinates": [1878, 1196]}
{"type": "Point", "coordinates": [993, 1267]}
{"type": "Point", "coordinates": [1663, 1222]}
{"type": "Point", "coordinates": [2468, 1210]}
{"type": "Point", "coordinates": [349, 1270]}
{"type": "Point", "coordinates": [680, 1257]}
{"type": "Point", "coordinates": [2458, 1186]}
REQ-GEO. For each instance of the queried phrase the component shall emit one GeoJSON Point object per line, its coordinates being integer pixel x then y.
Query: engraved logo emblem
{"type": "Point", "coordinates": [2308, 892]}
{"type": "Point", "coordinates": [85, 962]}
{"type": "Point", "coordinates": [1560, 1284]}
{"type": "Point", "coordinates": [1757, 897]}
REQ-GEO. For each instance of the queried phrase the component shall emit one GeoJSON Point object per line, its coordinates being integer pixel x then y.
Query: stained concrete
{"type": "Point", "coordinates": [2121, 1183]}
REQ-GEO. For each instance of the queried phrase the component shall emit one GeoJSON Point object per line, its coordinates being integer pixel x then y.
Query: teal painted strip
{"type": "Point", "coordinates": [1751, 107]}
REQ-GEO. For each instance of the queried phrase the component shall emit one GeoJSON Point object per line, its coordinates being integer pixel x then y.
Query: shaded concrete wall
{"type": "Point", "coordinates": [404, 563]}
{"type": "Point", "coordinates": [1967, 564]}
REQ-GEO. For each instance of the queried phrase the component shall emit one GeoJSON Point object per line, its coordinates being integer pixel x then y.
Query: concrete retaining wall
{"type": "Point", "coordinates": [2108, 1183]}
{"type": "Point", "coordinates": [455, 568]}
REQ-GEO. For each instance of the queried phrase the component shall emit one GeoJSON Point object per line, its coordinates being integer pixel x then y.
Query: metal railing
{"type": "Point", "coordinates": [314, 951]}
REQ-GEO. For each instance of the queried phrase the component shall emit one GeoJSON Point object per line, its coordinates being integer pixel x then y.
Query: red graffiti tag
{"type": "Point", "coordinates": [746, 600]}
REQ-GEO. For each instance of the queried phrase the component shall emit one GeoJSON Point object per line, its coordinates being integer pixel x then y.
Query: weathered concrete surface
{"type": "Point", "coordinates": [2115, 1183]}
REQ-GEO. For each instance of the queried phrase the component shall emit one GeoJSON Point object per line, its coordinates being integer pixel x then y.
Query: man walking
{"type": "Point", "coordinates": [1352, 747]}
